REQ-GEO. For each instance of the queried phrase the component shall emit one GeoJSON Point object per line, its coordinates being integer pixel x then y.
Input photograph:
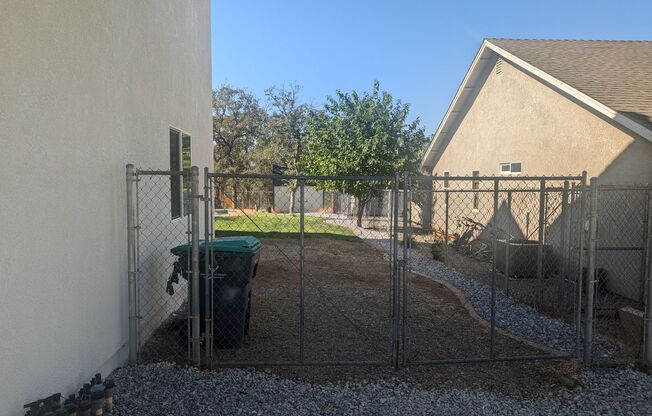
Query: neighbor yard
{"type": "Point", "coordinates": [278, 225]}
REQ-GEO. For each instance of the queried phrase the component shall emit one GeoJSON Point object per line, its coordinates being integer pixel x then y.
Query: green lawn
{"type": "Point", "coordinates": [279, 225]}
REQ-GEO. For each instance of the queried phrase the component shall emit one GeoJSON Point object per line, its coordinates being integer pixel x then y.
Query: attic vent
{"type": "Point", "coordinates": [499, 66]}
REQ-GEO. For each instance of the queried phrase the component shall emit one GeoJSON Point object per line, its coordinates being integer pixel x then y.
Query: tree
{"type": "Point", "coordinates": [287, 124]}
{"type": "Point", "coordinates": [239, 124]}
{"type": "Point", "coordinates": [364, 134]}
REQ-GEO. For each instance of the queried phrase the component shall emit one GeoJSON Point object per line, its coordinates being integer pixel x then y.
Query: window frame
{"type": "Point", "coordinates": [178, 207]}
{"type": "Point", "coordinates": [510, 171]}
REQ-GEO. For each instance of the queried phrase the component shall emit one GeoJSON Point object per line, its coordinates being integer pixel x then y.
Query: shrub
{"type": "Point", "coordinates": [438, 250]}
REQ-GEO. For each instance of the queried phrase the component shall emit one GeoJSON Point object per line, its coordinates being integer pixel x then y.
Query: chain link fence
{"type": "Point", "coordinates": [622, 269]}
{"type": "Point", "coordinates": [502, 246]}
{"type": "Point", "coordinates": [383, 270]}
{"type": "Point", "coordinates": [162, 222]}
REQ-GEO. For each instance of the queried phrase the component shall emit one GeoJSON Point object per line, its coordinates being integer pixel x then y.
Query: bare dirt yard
{"type": "Point", "coordinates": [347, 319]}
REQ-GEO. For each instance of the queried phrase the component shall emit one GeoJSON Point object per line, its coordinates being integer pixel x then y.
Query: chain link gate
{"type": "Point", "coordinates": [506, 287]}
{"type": "Point", "coordinates": [318, 296]}
{"type": "Point", "coordinates": [162, 227]}
{"type": "Point", "coordinates": [346, 280]}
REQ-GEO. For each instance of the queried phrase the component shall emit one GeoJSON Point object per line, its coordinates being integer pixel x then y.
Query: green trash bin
{"type": "Point", "coordinates": [233, 263]}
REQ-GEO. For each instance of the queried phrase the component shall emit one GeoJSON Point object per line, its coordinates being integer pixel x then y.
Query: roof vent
{"type": "Point", "coordinates": [499, 66]}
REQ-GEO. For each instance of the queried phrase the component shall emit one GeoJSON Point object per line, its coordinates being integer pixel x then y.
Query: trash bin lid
{"type": "Point", "coordinates": [236, 244]}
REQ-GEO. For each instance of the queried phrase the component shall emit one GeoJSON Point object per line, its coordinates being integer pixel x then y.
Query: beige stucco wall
{"type": "Point", "coordinates": [517, 118]}
{"type": "Point", "coordinates": [86, 87]}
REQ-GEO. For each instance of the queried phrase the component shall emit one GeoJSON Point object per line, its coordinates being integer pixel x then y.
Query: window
{"type": "Point", "coordinates": [180, 159]}
{"type": "Point", "coordinates": [446, 175]}
{"type": "Point", "coordinates": [475, 185]}
{"type": "Point", "coordinates": [510, 168]}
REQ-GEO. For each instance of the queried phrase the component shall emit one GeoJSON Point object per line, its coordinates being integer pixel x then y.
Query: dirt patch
{"type": "Point", "coordinates": [347, 300]}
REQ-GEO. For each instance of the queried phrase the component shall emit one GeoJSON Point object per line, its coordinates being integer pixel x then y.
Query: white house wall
{"type": "Point", "coordinates": [86, 88]}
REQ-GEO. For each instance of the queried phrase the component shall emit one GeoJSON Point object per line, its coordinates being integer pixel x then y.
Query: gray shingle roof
{"type": "Point", "coordinates": [616, 73]}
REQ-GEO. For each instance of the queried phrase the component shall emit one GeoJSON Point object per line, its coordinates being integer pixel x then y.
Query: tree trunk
{"type": "Point", "coordinates": [360, 212]}
{"type": "Point", "coordinates": [293, 191]}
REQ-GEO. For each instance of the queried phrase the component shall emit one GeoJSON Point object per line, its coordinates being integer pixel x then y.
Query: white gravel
{"type": "Point", "coordinates": [163, 389]}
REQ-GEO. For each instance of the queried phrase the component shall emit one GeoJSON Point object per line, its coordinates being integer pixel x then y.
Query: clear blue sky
{"type": "Point", "coordinates": [418, 50]}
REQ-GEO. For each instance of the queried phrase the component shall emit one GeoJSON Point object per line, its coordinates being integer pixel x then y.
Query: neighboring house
{"type": "Point", "coordinates": [87, 87]}
{"type": "Point", "coordinates": [556, 107]}
{"type": "Point", "coordinates": [551, 107]}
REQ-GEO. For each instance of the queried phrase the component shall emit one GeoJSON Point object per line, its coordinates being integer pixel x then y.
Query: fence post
{"type": "Point", "coordinates": [580, 265]}
{"type": "Point", "coordinates": [301, 268]}
{"type": "Point", "coordinates": [208, 275]}
{"type": "Point", "coordinates": [646, 246]}
{"type": "Point", "coordinates": [561, 275]}
{"type": "Point", "coordinates": [541, 233]}
{"type": "Point", "coordinates": [507, 244]}
{"type": "Point", "coordinates": [194, 295]}
{"type": "Point", "coordinates": [132, 273]}
{"type": "Point", "coordinates": [446, 203]}
{"type": "Point", "coordinates": [590, 273]}
{"type": "Point", "coordinates": [426, 212]}
{"type": "Point", "coordinates": [395, 277]}
{"type": "Point", "coordinates": [404, 268]}
{"type": "Point", "coordinates": [647, 349]}
{"type": "Point", "coordinates": [494, 244]}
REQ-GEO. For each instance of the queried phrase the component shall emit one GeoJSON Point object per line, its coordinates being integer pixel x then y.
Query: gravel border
{"type": "Point", "coordinates": [521, 320]}
{"type": "Point", "coordinates": [163, 389]}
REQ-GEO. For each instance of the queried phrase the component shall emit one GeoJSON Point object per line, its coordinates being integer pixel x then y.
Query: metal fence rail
{"type": "Point", "coordinates": [419, 270]}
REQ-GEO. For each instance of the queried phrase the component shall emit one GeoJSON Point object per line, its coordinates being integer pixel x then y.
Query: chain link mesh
{"type": "Point", "coordinates": [162, 304]}
{"type": "Point", "coordinates": [376, 270]}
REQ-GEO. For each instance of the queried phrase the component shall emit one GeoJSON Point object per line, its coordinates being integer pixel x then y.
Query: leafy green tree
{"type": "Point", "coordinates": [239, 126]}
{"type": "Point", "coordinates": [362, 134]}
{"type": "Point", "coordinates": [287, 128]}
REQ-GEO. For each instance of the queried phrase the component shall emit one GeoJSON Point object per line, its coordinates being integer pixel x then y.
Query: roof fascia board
{"type": "Point", "coordinates": [478, 64]}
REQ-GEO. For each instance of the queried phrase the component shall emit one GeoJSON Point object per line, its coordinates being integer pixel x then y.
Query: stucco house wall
{"type": "Point", "coordinates": [87, 86]}
{"type": "Point", "coordinates": [518, 118]}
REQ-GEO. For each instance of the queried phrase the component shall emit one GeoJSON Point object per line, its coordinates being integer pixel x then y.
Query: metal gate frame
{"type": "Point", "coordinates": [583, 340]}
{"type": "Point", "coordinates": [394, 275]}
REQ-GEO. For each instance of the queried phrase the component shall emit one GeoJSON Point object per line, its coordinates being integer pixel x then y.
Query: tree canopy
{"type": "Point", "coordinates": [362, 134]}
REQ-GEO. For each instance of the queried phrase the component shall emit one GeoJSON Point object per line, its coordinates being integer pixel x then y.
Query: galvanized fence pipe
{"type": "Point", "coordinates": [131, 260]}
{"type": "Point", "coordinates": [507, 244]}
{"type": "Point", "coordinates": [646, 246]}
{"type": "Point", "coordinates": [579, 280]}
{"type": "Point", "coordinates": [540, 247]}
{"type": "Point", "coordinates": [194, 296]}
{"type": "Point", "coordinates": [647, 350]}
{"type": "Point", "coordinates": [494, 246]}
{"type": "Point", "coordinates": [446, 202]}
{"type": "Point", "coordinates": [395, 277]}
{"type": "Point", "coordinates": [563, 244]}
{"type": "Point", "coordinates": [208, 225]}
{"type": "Point", "coordinates": [591, 275]}
{"type": "Point", "coordinates": [404, 267]}
{"type": "Point", "coordinates": [302, 211]}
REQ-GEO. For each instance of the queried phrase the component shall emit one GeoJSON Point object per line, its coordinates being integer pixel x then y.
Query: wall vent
{"type": "Point", "coordinates": [499, 66]}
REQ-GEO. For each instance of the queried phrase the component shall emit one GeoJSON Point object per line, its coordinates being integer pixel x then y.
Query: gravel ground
{"type": "Point", "coordinates": [163, 389]}
{"type": "Point", "coordinates": [519, 319]}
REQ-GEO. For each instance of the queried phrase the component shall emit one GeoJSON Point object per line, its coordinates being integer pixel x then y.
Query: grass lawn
{"type": "Point", "coordinates": [279, 226]}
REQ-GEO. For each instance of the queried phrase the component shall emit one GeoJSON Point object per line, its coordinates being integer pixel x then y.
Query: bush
{"type": "Point", "coordinates": [438, 250]}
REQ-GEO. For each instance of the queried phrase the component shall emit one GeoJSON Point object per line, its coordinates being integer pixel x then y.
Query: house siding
{"type": "Point", "coordinates": [515, 117]}
{"type": "Point", "coordinates": [86, 88]}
